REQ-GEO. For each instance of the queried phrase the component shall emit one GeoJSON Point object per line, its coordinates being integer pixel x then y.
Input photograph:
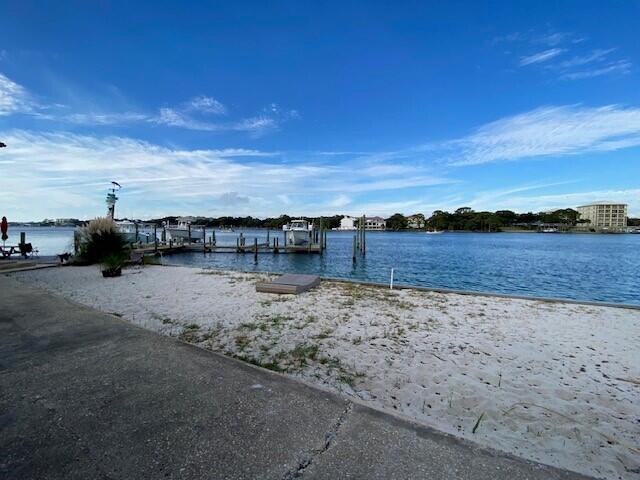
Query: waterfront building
{"type": "Point", "coordinates": [604, 216]}
{"type": "Point", "coordinates": [416, 221]}
{"type": "Point", "coordinates": [375, 223]}
{"type": "Point", "coordinates": [347, 223]}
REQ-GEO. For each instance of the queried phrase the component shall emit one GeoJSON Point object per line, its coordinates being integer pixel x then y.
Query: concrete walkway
{"type": "Point", "coordinates": [87, 395]}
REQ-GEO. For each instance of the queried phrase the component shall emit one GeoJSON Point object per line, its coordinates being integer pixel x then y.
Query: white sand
{"type": "Point", "coordinates": [554, 382]}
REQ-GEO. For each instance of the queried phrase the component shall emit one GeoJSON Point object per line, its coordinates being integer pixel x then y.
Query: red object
{"type": "Point", "coordinates": [4, 226]}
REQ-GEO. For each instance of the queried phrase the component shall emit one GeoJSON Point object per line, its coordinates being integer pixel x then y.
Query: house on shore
{"type": "Point", "coordinates": [416, 221]}
{"type": "Point", "coordinates": [348, 223]}
{"type": "Point", "coordinates": [375, 223]}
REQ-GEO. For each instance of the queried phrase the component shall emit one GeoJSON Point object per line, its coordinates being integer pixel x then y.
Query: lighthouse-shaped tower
{"type": "Point", "coordinates": [112, 199]}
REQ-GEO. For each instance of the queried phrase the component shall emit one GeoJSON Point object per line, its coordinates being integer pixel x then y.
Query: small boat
{"type": "Point", "coordinates": [549, 230]}
{"type": "Point", "coordinates": [433, 232]}
{"type": "Point", "coordinates": [131, 234]}
{"type": "Point", "coordinates": [182, 232]}
{"type": "Point", "coordinates": [298, 232]}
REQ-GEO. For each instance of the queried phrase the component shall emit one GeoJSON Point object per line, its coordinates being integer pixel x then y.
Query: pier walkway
{"type": "Point", "coordinates": [87, 395]}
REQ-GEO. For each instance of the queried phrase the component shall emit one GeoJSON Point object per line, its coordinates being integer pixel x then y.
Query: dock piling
{"type": "Point", "coordinates": [155, 238]}
{"type": "Point", "coordinates": [353, 250]}
{"type": "Point", "coordinates": [255, 250]}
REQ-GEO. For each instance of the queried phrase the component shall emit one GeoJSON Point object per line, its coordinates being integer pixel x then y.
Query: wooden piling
{"type": "Point", "coordinates": [353, 250]}
{"type": "Point", "coordinates": [23, 238]}
{"type": "Point", "coordinates": [255, 250]}
{"type": "Point", "coordinates": [204, 239]}
{"type": "Point", "coordinates": [136, 225]}
{"type": "Point", "coordinates": [213, 238]}
{"type": "Point", "coordinates": [189, 232]}
{"type": "Point", "coordinates": [155, 238]}
{"type": "Point", "coordinates": [364, 236]}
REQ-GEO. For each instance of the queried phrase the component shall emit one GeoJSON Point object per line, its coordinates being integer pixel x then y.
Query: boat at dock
{"type": "Point", "coordinates": [433, 232]}
{"type": "Point", "coordinates": [298, 232]}
{"type": "Point", "coordinates": [183, 231]}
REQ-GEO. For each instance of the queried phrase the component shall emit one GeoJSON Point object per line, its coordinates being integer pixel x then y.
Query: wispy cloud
{"type": "Point", "coordinates": [582, 62]}
{"type": "Point", "coordinates": [206, 104]}
{"type": "Point", "coordinates": [554, 130]}
{"type": "Point", "coordinates": [193, 114]}
{"type": "Point", "coordinates": [14, 98]}
{"type": "Point", "coordinates": [540, 57]}
{"type": "Point", "coordinates": [621, 67]}
{"type": "Point", "coordinates": [67, 173]}
{"type": "Point", "coordinates": [593, 56]}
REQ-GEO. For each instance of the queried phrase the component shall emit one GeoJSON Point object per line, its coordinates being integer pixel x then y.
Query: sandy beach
{"type": "Point", "coordinates": [558, 383]}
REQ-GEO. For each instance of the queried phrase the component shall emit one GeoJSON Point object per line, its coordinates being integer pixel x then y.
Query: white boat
{"type": "Point", "coordinates": [298, 232]}
{"type": "Point", "coordinates": [180, 232]}
{"type": "Point", "coordinates": [433, 232]}
{"type": "Point", "coordinates": [127, 229]}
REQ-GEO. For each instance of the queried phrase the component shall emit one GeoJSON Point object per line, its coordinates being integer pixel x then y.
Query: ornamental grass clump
{"type": "Point", "coordinates": [100, 240]}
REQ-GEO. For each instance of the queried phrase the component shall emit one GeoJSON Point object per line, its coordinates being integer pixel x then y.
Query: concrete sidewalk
{"type": "Point", "coordinates": [87, 395]}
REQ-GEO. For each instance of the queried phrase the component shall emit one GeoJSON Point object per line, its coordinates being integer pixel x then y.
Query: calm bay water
{"type": "Point", "coordinates": [583, 267]}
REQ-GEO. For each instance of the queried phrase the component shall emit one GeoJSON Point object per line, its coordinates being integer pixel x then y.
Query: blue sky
{"type": "Point", "coordinates": [264, 108]}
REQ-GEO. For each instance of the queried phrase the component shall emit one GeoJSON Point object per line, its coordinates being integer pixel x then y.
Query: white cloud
{"type": "Point", "coordinates": [206, 104]}
{"type": "Point", "coordinates": [103, 118]}
{"type": "Point", "coordinates": [541, 56]}
{"type": "Point", "coordinates": [67, 174]}
{"type": "Point", "coordinates": [14, 98]}
{"type": "Point", "coordinates": [232, 198]}
{"type": "Point", "coordinates": [583, 64]}
{"type": "Point", "coordinates": [595, 55]}
{"type": "Point", "coordinates": [340, 201]}
{"type": "Point", "coordinates": [621, 67]}
{"type": "Point", "coordinates": [555, 130]}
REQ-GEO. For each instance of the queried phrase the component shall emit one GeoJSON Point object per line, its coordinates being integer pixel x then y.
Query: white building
{"type": "Point", "coordinates": [604, 216]}
{"type": "Point", "coordinates": [416, 221]}
{"type": "Point", "coordinates": [347, 223]}
{"type": "Point", "coordinates": [375, 223]}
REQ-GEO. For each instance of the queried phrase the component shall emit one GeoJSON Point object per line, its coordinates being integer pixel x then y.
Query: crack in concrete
{"type": "Point", "coordinates": [329, 438]}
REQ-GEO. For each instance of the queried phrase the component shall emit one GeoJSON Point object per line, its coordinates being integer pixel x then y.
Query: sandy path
{"type": "Point", "coordinates": [551, 382]}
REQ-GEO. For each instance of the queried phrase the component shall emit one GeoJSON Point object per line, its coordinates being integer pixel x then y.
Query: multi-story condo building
{"type": "Point", "coordinates": [375, 223]}
{"type": "Point", "coordinates": [604, 216]}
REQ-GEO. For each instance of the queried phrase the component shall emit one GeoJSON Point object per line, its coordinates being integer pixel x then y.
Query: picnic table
{"type": "Point", "coordinates": [24, 249]}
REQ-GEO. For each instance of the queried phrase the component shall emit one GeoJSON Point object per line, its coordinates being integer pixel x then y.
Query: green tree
{"type": "Point", "coordinates": [396, 222]}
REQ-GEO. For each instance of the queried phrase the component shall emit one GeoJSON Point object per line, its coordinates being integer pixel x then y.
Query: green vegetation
{"type": "Point", "coordinates": [397, 222]}
{"type": "Point", "coordinates": [100, 241]}
{"type": "Point", "coordinates": [468, 220]}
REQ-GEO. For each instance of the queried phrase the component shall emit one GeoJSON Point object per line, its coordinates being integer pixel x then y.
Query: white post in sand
{"type": "Point", "coordinates": [391, 282]}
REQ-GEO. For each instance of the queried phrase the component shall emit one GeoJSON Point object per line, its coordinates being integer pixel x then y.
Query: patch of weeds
{"type": "Point", "coordinates": [212, 332]}
{"type": "Point", "coordinates": [303, 352]}
{"type": "Point", "coordinates": [273, 365]}
{"type": "Point", "coordinates": [249, 326]}
{"type": "Point", "coordinates": [331, 363]}
{"type": "Point", "coordinates": [348, 379]}
{"type": "Point", "coordinates": [325, 333]}
{"type": "Point", "coordinates": [190, 333]}
{"type": "Point", "coordinates": [242, 341]}
{"type": "Point", "coordinates": [357, 341]}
